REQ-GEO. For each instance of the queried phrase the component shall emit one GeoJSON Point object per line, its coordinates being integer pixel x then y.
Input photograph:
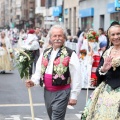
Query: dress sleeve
{"type": "Point", "coordinates": [76, 82]}
{"type": "Point", "coordinates": [100, 78]}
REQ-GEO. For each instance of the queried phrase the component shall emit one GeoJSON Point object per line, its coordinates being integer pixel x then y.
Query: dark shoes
{"type": "Point", "coordinates": [3, 72]}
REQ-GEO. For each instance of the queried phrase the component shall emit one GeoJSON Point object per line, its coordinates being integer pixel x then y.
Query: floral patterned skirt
{"type": "Point", "coordinates": [104, 104]}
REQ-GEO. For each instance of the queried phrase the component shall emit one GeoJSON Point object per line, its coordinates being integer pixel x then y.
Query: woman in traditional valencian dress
{"type": "Point", "coordinates": [5, 53]}
{"type": "Point", "coordinates": [104, 103]}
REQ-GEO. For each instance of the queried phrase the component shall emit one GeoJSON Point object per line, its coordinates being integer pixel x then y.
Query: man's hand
{"type": "Point", "coordinates": [29, 83]}
{"type": "Point", "coordinates": [72, 102]}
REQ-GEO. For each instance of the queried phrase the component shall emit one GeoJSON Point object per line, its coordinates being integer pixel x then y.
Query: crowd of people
{"type": "Point", "coordinates": [64, 72]}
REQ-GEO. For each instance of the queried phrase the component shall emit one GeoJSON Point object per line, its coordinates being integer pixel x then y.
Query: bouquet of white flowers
{"type": "Point", "coordinates": [23, 61]}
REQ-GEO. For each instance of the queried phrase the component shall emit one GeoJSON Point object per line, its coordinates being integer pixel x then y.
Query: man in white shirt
{"type": "Point", "coordinates": [102, 36]}
{"type": "Point", "coordinates": [58, 68]}
{"type": "Point", "coordinates": [31, 44]}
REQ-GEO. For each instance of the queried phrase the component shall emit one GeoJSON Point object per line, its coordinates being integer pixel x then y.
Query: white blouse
{"type": "Point", "coordinates": [74, 68]}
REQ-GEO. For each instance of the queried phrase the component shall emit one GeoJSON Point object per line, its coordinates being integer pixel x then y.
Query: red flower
{"type": "Point", "coordinates": [94, 33]}
{"type": "Point", "coordinates": [65, 61]}
{"type": "Point", "coordinates": [96, 37]}
{"type": "Point", "coordinates": [44, 62]}
{"type": "Point", "coordinates": [57, 61]}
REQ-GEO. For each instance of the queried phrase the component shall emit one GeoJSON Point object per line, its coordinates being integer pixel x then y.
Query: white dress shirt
{"type": "Point", "coordinates": [74, 68]}
{"type": "Point", "coordinates": [31, 43]}
{"type": "Point", "coordinates": [102, 38]}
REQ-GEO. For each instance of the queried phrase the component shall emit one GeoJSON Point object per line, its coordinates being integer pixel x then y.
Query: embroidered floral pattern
{"type": "Point", "coordinates": [61, 64]}
{"type": "Point", "coordinates": [115, 63]}
{"type": "Point", "coordinates": [44, 62]}
{"type": "Point", "coordinates": [104, 104]}
{"type": "Point", "coordinates": [65, 61]}
{"type": "Point", "coordinates": [57, 61]}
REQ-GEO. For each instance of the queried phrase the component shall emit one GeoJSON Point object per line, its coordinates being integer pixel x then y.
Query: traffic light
{"type": "Point", "coordinates": [60, 17]}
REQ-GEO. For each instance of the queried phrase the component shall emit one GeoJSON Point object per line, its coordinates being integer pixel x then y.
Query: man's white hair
{"type": "Point", "coordinates": [57, 27]}
{"type": "Point", "coordinates": [50, 33]}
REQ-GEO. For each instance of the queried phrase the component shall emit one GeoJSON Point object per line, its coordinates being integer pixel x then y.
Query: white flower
{"type": "Point", "coordinates": [10, 50]}
{"type": "Point", "coordinates": [21, 59]}
{"type": "Point", "coordinates": [17, 53]}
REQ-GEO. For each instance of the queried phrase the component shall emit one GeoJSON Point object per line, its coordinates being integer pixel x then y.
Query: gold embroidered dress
{"type": "Point", "coordinates": [104, 103]}
{"type": "Point", "coordinates": [5, 60]}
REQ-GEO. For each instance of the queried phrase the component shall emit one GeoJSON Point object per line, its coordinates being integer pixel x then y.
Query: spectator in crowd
{"type": "Point", "coordinates": [68, 32]}
{"type": "Point", "coordinates": [102, 47]}
{"type": "Point", "coordinates": [31, 44]}
{"type": "Point", "coordinates": [78, 32]}
{"type": "Point", "coordinates": [75, 39]}
{"type": "Point", "coordinates": [102, 36]}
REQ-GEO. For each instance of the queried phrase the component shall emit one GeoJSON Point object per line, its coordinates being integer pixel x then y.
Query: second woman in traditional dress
{"type": "Point", "coordinates": [5, 53]}
{"type": "Point", "coordinates": [104, 103]}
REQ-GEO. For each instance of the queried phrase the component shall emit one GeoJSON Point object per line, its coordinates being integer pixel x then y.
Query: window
{"type": "Point", "coordinates": [86, 23]}
{"type": "Point", "coordinates": [115, 17]}
{"type": "Point", "coordinates": [42, 3]}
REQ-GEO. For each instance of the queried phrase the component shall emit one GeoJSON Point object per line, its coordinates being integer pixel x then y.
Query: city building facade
{"type": "Point", "coordinates": [53, 13]}
{"type": "Point", "coordinates": [85, 14]}
{"type": "Point", "coordinates": [71, 15]}
{"type": "Point", "coordinates": [39, 13]}
{"type": "Point", "coordinates": [25, 13]}
{"type": "Point", "coordinates": [2, 13]}
{"type": "Point", "coordinates": [17, 13]}
{"type": "Point", "coordinates": [95, 14]}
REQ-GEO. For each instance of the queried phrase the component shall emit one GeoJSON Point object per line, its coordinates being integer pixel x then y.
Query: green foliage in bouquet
{"type": "Point", "coordinates": [23, 62]}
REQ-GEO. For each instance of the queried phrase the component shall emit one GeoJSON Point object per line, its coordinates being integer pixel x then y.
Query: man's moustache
{"type": "Point", "coordinates": [57, 41]}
